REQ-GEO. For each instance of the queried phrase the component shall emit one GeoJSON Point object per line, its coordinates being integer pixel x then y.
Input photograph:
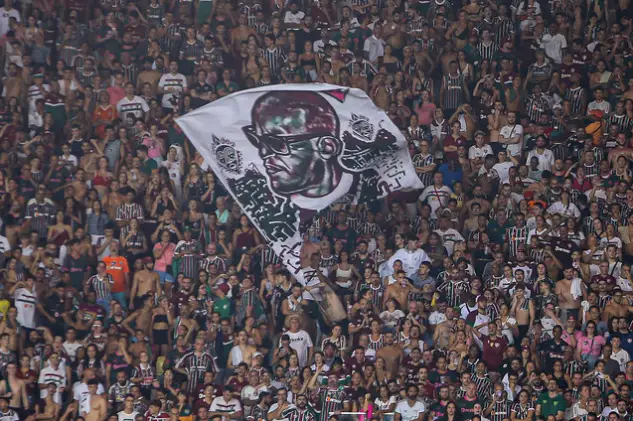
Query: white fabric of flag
{"type": "Point", "coordinates": [286, 152]}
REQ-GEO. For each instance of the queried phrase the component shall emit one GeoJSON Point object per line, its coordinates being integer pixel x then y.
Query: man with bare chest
{"type": "Point", "coordinates": [399, 290]}
{"type": "Point", "coordinates": [394, 34]}
{"type": "Point", "coordinates": [617, 307]}
{"type": "Point", "coordinates": [9, 325]}
{"type": "Point", "coordinates": [142, 316]}
{"type": "Point", "coordinates": [568, 300]}
{"type": "Point", "coordinates": [140, 345]}
{"type": "Point", "coordinates": [392, 353]}
{"type": "Point", "coordinates": [447, 57]}
{"type": "Point", "coordinates": [98, 405]}
{"type": "Point", "coordinates": [241, 32]}
{"type": "Point", "coordinates": [379, 93]}
{"type": "Point", "coordinates": [79, 185]}
{"type": "Point", "coordinates": [444, 331]}
{"type": "Point", "coordinates": [146, 283]}
{"type": "Point", "coordinates": [14, 389]}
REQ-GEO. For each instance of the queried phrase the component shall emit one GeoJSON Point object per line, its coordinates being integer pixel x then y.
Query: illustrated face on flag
{"type": "Point", "coordinates": [289, 151]}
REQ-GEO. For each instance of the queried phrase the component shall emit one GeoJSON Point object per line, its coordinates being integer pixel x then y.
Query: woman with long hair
{"type": "Point", "coordinates": [60, 232]}
{"type": "Point", "coordinates": [92, 359]}
{"type": "Point", "coordinates": [589, 345]}
{"type": "Point", "coordinates": [523, 410]}
{"type": "Point", "coordinates": [246, 239]}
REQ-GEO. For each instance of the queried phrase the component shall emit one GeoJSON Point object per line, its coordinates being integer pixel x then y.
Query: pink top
{"type": "Point", "coordinates": [590, 346]}
{"type": "Point", "coordinates": [425, 114]}
{"type": "Point", "coordinates": [167, 257]}
{"type": "Point", "coordinates": [369, 415]}
{"type": "Point", "coordinates": [153, 147]}
{"type": "Point", "coordinates": [116, 94]}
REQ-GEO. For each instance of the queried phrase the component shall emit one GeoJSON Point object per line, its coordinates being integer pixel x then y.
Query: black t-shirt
{"type": "Point", "coordinates": [346, 235]}
{"type": "Point", "coordinates": [201, 90]}
{"type": "Point", "coordinates": [55, 306]}
{"type": "Point", "coordinates": [562, 249]}
{"type": "Point", "coordinates": [438, 410]}
{"type": "Point", "coordinates": [76, 269]}
{"type": "Point", "coordinates": [552, 351]}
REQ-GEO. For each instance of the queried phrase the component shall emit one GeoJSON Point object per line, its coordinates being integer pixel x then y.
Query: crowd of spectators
{"type": "Point", "coordinates": [134, 288]}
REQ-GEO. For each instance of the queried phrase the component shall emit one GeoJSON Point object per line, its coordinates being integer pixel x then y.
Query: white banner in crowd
{"type": "Point", "coordinates": [288, 151]}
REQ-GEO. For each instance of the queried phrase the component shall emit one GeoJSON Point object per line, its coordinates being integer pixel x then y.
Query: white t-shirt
{"type": "Point", "coordinates": [511, 131]}
{"type": "Point", "coordinates": [137, 106]}
{"type": "Point", "coordinates": [449, 238]}
{"type": "Point", "coordinates": [177, 82]}
{"type": "Point", "coordinates": [553, 46]}
{"type": "Point", "coordinates": [34, 93]}
{"type": "Point", "coordinates": [71, 349]}
{"type": "Point", "coordinates": [436, 198]}
{"type": "Point", "coordinates": [502, 169]}
{"type": "Point", "coordinates": [391, 319]}
{"type": "Point", "coordinates": [375, 48]}
{"type": "Point", "coordinates": [25, 302]}
{"type": "Point", "coordinates": [10, 415]}
{"type": "Point", "coordinates": [477, 152]}
{"type": "Point", "coordinates": [545, 159]}
{"type": "Point", "coordinates": [603, 106]}
{"type": "Point", "coordinates": [560, 208]}
{"type": "Point", "coordinates": [82, 395]}
{"type": "Point", "coordinates": [5, 15]}
{"type": "Point", "coordinates": [122, 416]}
{"type": "Point", "coordinates": [381, 405]}
{"type": "Point", "coordinates": [436, 318]}
{"type": "Point", "coordinates": [50, 375]}
{"type": "Point", "coordinates": [507, 329]}
{"type": "Point", "coordinates": [294, 18]}
{"type": "Point", "coordinates": [311, 280]}
{"type": "Point", "coordinates": [300, 342]}
{"type": "Point", "coordinates": [409, 413]}
{"type": "Point", "coordinates": [4, 244]}
{"type": "Point", "coordinates": [220, 405]}
{"type": "Point", "coordinates": [174, 170]}
{"type": "Point", "coordinates": [622, 357]}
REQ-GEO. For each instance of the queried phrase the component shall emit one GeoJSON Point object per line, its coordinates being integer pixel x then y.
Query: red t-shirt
{"type": "Point", "coordinates": [451, 141]}
{"type": "Point", "coordinates": [493, 351]}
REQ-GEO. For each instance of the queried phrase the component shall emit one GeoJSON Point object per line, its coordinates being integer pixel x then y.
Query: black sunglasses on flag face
{"type": "Point", "coordinates": [281, 145]}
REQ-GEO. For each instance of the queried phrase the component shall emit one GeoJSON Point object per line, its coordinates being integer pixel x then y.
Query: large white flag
{"type": "Point", "coordinates": [287, 151]}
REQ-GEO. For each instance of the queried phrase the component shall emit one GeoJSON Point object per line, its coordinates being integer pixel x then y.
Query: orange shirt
{"type": "Point", "coordinates": [117, 267]}
{"type": "Point", "coordinates": [105, 114]}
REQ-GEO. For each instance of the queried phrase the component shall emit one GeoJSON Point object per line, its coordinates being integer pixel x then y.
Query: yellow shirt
{"type": "Point", "coordinates": [4, 307]}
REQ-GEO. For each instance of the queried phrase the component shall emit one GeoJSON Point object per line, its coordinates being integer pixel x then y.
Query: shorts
{"type": "Point", "coordinates": [186, 67]}
{"type": "Point", "coordinates": [160, 336]}
{"type": "Point", "coordinates": [138, 301]}
{"type": "Point", "coordinates": [23, 413]}
{"type": "Point", "coordinates": [165, 276]}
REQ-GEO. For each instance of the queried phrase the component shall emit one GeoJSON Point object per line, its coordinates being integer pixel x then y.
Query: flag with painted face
{"type": "Point", "coordinates": [285, 152]}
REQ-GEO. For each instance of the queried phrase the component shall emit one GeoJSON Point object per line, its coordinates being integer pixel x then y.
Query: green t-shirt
{"type": "Point", "coordinates": [222, 306]}
{"type": "Point", "coordinates": [551, 406]}
{"type": "Point", "coordinates": [175, 136]}
{"type": "Point", "coordinates": [360, 36]}
{"type": "Point", "coordinates": [350, 38]}
{"type": "Point", "coordinates": [497, 232]}
{"type": "Point", "coordinates": [149, 165]}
